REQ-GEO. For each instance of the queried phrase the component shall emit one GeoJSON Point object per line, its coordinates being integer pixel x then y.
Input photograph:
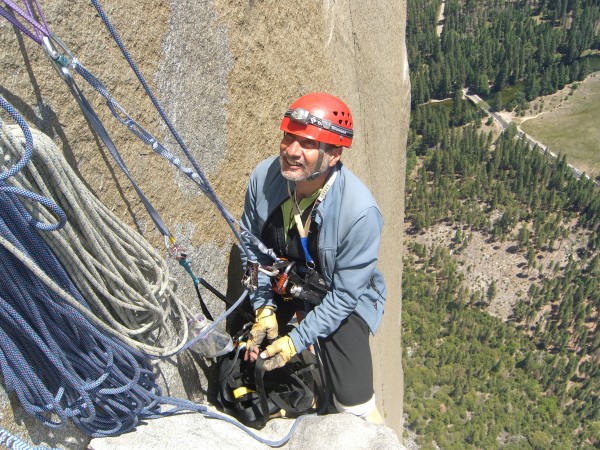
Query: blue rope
{"type": "Point", "coordinates": [53, 357]}
{"type": "Point", "coordinates": [16, 443]}
{"type": "Point", "coordinates": [57, 362]}
{"type": "Point", "coordinates": [20, 165]}
{"type": "Point", "coordinates": [28, 140]}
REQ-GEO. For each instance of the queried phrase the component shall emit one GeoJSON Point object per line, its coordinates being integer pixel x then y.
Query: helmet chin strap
{"type": "Point", "coordinates": [318, 172]}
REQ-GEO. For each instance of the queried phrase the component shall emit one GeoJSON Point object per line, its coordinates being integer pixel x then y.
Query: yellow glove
{"type": "Point", "coordinates": [265, 325]}
{"type": "Point", "coordinates": [278, 353]}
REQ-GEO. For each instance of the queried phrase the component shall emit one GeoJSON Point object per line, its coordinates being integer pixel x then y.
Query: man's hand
{"type": "Point", "coordinates": [265, 325]}
{"type": "Point", "coordinates": [278, 353]}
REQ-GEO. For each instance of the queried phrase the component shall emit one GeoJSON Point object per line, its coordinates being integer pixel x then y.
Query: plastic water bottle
{"type": "Point", "coordinates": [215, 343]}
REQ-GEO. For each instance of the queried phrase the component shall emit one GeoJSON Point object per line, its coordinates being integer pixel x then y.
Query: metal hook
{"type": "Point", "coordinates": [58, 60]}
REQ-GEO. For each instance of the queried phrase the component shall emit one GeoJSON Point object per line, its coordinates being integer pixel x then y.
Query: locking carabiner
{"type": "Point", "coordinates": [60, 61]}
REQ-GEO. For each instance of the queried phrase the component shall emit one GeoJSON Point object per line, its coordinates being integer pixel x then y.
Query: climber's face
{"type": "Point", "coordinates": [299, 157]}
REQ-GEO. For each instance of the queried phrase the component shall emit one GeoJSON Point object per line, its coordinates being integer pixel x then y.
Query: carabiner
{"type": "Point", "coordinates": [59, 60]}
{"type": "Point", "coordinates": [53, 54]}
{"type": "Point", "coordinates": [280, 283]}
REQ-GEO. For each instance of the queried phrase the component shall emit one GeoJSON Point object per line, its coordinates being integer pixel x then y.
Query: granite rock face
{"type": "Point", "coordinates": [334, 431]}
{"type": "Point", "coordinates": [224, 71]}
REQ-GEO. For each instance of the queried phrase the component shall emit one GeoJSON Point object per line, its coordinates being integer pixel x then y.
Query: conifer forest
{"type": "Point", "coordinates": [474, 380]}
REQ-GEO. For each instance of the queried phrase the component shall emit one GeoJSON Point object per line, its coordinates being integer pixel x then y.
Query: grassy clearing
{"type": "Point", "coordinates": [571, 128]}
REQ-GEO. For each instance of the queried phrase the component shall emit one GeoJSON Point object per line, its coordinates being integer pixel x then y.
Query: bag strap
{"type": "Point", "coordinates": [259, 373]}
{"type": "Point", "coordinates": [306, 400]}
{"type": "Point", "coordinates": [306, 396]}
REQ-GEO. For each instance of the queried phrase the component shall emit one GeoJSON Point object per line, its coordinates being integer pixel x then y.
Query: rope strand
{"type": "Point", "coordinates": [208, 189]}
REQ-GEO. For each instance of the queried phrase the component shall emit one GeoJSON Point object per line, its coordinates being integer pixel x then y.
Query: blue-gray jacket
{"type": "Point", "coordinates": [350, 223]}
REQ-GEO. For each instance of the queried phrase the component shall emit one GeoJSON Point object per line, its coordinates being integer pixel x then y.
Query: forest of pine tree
{"type": "Point", "coordinates": [487, 45]}
{"type": "Point", "coordinates": [473, 380]}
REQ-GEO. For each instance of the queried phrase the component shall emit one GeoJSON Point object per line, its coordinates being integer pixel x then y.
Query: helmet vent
{"type": "Point", "coordinates": [347, 122]}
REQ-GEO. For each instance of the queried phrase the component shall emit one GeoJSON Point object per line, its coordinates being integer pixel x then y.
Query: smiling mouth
{"type": "Point", "coordinates": [292, 163]}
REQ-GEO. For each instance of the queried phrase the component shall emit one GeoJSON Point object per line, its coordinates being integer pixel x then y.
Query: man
{"type": "Point", "coordinates": [312, 211]}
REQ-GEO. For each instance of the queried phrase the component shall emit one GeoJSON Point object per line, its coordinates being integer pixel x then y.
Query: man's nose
{"type": "Point", "coordinates": [294, 149]}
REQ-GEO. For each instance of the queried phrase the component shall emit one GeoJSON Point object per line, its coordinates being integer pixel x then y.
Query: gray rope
{"type": "Point", "coordinates": [123, 278]}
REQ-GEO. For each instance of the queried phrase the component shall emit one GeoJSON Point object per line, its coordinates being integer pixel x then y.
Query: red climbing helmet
{"type": "Point", "coordinates": [321, 117]}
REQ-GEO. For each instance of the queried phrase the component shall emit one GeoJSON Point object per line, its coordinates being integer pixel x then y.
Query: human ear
{"type": "Point", "coordinates": [336, 154]}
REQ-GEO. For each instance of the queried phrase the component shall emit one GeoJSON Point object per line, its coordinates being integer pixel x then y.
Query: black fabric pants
{"type": "Point", "coordinates": [346, 355]}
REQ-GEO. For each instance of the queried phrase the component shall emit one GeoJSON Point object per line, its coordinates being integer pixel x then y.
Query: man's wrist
{"type": "Point", "coordinates": [265, 311]}
{"type": "Point", "coordinates": [295, 337]}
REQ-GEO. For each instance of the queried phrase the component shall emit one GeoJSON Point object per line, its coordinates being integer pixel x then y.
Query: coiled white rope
{"type": "Point", "coordinates": [123, 278]}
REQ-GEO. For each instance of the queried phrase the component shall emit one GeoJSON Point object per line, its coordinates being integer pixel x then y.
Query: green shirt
{"type": "Point", "coordinates": [288, 210]}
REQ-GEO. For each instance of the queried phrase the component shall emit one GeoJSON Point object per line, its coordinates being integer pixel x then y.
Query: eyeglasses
{"type": "Point", "coordinates": [306, 143]}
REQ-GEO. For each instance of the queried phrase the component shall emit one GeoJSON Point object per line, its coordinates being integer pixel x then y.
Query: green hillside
{"type": "Point", "coordinates": [529, 379]}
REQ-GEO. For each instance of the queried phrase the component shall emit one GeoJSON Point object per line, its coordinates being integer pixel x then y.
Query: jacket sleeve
{"type": "Point", "coordinates": [355, 262]}
{"type": "Point", "coordinates": [263, 295]}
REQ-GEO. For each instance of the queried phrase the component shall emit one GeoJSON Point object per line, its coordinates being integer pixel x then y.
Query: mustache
{"type": "Point", "coordinates": [291, 162]}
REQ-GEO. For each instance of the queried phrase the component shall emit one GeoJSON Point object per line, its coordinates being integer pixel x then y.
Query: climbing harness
{"type": "Point", "coordinates": [291, 279]}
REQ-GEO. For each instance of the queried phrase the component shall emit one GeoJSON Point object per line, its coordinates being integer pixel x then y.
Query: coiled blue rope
{"type": "Point", "coordinates": [57, 362]}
